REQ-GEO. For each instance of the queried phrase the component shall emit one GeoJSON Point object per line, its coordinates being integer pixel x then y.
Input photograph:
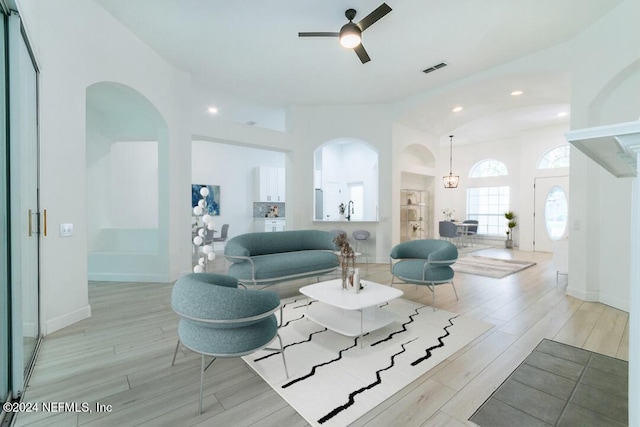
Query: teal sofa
{"type": "Point", "coordinates": [425, 262]}
{"type": "Point", "coordinates": [267, 258]}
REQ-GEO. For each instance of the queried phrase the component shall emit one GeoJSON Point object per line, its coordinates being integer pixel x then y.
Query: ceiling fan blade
{"type": "Point", "coordinates": [374, 16]}
{"type": "Point", "coordinates": [362, 54]}
{"type": "Point", "coordinates": [318, 34]}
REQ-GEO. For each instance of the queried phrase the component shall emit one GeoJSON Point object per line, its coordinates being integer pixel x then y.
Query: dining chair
{"type": "Point", "coordinates": [224, 232]}
{"type": "Point", "coordinates": [448, 231]}
{"type": "Point", "coordinates": [471, 232]}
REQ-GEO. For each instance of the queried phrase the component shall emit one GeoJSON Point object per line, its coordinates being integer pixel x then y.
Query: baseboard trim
{"type": "Point", "coordinates": [68, 319]}
{"type": "Point", "coordinates": [614, 302]}
{"type": "Point", "coordinates": [581, 294]}
{"type": "Point", "coordinates": [118, 277]}
{"type": "Point", "coordinates": [599, 296]}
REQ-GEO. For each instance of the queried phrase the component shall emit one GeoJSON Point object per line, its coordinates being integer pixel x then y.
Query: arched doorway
{"type": "Point", "coordinates": [346, 173]}
{"type": "Point", "coordinates": [127, 226]}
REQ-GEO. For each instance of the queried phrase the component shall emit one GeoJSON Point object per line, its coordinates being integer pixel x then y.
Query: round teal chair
{"type": "Point", "coordinates": [218, 319]}
{"type": "Point", "coordinates": [425, 262]}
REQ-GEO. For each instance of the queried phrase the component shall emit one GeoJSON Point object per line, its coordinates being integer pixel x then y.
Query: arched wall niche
{"type": "Point", "coordinates": [126, 161]}
{"type": "Point", "coordinates": [345, 172]}
{"type": "Point", "coordinates": [417, 172]}
{"type": "Point", "coordinates": [612, 104]}
{"type": "Point", "coordinates": [416, 157]}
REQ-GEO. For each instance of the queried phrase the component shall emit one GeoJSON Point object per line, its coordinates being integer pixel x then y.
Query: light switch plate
{"type": "Point", "coordinates": [66, 230]}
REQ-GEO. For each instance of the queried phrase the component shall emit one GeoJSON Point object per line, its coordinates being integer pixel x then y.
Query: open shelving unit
{"type": "Point", "coordinates": [413, 214]}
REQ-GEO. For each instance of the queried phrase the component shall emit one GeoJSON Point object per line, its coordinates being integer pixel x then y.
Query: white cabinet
{"type": "Point", "coordinates": [271, 184]}
{"type": "Point", "coordinates": [274, 225]}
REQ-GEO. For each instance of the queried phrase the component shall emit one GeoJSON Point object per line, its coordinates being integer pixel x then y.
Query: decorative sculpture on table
{"type": "Point", "coordinates": [350, 274]}
{"type": "Point", "coordinates": [204, 222]}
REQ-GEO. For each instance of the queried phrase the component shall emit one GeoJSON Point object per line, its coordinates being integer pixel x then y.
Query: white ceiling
{"type": "Point", "coordinates": [250, 54]}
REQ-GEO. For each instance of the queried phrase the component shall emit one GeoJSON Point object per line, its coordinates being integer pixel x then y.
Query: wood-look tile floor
{"type": "Point", "coordinates": [121, 356]}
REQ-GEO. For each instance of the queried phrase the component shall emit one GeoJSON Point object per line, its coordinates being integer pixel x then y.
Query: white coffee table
{"type": "Point", "coordinates": [348, 313]}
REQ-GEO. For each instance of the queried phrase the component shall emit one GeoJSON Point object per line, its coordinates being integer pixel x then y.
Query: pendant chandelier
{"type": "Point", "coordinates": [451, 180]}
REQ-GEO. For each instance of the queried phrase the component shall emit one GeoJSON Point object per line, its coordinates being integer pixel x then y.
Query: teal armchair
{"type": "Point", "coordinates": [218, 319]}
{"type": "Point", "coordinates": [424, 262]}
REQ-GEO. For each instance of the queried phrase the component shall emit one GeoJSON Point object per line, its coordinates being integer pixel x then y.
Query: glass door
{"type": "Point", "coordinates": [23, 200]}
{"type": "Point", "coordinates": [4, 275]}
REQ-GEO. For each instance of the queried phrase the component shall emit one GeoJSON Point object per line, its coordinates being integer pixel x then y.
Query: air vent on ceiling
{"type": "Point", "coordinates": [251, 123]}
{"type": "Point", "coordinates": [435, 67]}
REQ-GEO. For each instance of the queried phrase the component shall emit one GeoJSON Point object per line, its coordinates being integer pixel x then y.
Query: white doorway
{"type": "Point", "coordinates": [551, 211]}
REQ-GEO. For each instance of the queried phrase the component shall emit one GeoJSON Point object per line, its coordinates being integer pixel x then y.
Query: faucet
{"type": "Point", "coordinates": [349, 210]}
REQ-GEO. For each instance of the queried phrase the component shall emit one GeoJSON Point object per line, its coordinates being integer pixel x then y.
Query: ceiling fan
{"type": "Point", "coordinates": [350, 34]}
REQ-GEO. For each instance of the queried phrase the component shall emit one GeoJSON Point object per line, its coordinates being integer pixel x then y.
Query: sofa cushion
{"type": "Point", "coordinates": [410, 270]}
{"type": "Point", "coordinates": [285, 264]}
{"type": "Point", "coordinates": [228, 341]}
{"type": "Point", "coordinates": [264, 243]}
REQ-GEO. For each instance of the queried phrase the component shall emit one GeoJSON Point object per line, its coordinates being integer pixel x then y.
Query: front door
{"type": "Point", "coordinates": [551, 211]}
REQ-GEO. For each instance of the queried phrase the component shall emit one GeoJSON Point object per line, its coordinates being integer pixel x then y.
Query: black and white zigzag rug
{"type": "Point", "coordinates": [333, 380]}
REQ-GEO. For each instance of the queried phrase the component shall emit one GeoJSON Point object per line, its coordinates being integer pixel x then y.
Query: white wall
{"type": "Point", "coordinates": [70, 63]}
{"type": "Point", "coordinates": [134, 184]}
{"type": "Point", "coordinates": [414, 154]}
{"type": "Point", "coordinates": [233, 168]}
{"type": "Point", "coordinates": [599, 264]}
{"type": "Point", "coordinates": [345, 162]}
{"type": "Point", "coordinates": [313, 126]}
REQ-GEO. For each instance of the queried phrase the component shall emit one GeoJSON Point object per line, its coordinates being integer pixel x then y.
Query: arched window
{"type": "Point", "coordinates": [487, 168]}
{"type": "Point", "coordinates": [556, 158]}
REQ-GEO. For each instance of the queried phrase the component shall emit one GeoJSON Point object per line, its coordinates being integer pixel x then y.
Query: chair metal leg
{"type": "Point", "coordinates": [432, 288]}
{"type": "Point", "coordinates": [454, 290]}
{"type": "Point", "coordinates": [201, 384]}
{"type": "Point", "coordinates": [175, 353]}
{"type": "Point", "coordinates": [284, 361]}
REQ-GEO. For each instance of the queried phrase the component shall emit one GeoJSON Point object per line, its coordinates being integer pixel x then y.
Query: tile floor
{"type": "Point", "coordinates": [560, 385]}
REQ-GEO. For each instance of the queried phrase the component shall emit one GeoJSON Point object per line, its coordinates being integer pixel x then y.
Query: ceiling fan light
{"type": "Point", "coordinates": [350, 35]}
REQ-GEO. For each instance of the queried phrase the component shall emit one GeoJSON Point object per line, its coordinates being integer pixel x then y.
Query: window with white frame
{"type": "Point", "coordinates": [489, 167]}
{"type": "Point", "coordinates": [555, 158]}
{"type": "Point", "coordinates": [488, 205]}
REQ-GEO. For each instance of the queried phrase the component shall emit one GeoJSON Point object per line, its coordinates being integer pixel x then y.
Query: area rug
{"type": "Point", "coordinates": [490, 267]}
{"type": "Point", "coordinates": [466, 250]}
{"type": "Point", "coordinates": [333, 380]}
{"type": "Point", "coordinates": [560, 385]}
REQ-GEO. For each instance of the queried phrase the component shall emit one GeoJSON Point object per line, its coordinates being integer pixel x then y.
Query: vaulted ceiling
{"type": "Point", "coordinates": [249, 53]}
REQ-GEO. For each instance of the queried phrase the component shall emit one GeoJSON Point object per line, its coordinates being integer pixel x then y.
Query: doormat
{"type": "Point", "coordinates": [560, 385]}
{"type": "Point", "coordinates": [333, 380]}
{"type": "Point", "coordinates": [489, 267]}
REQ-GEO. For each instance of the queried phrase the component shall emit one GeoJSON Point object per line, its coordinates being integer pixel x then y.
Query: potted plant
{"type": "Point", "coordinates": [511, 217]}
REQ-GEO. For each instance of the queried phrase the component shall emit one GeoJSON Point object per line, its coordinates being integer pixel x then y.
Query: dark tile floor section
{"type": "Point", "coordinates": [560, 385]}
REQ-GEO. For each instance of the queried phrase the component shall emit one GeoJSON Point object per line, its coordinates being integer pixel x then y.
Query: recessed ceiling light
{"type": "Point", "coordinates": [562, 114]}
{"type": "Point", "coordinates": [516, 93]}
{"type": "Point", "coordinates": [212, 110]}
{"type": "Point", "coordinates": [456, 109]}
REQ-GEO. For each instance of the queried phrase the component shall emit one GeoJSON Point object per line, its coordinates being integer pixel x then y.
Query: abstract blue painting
{"type": "Point", "coordinates": [213, 198]}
